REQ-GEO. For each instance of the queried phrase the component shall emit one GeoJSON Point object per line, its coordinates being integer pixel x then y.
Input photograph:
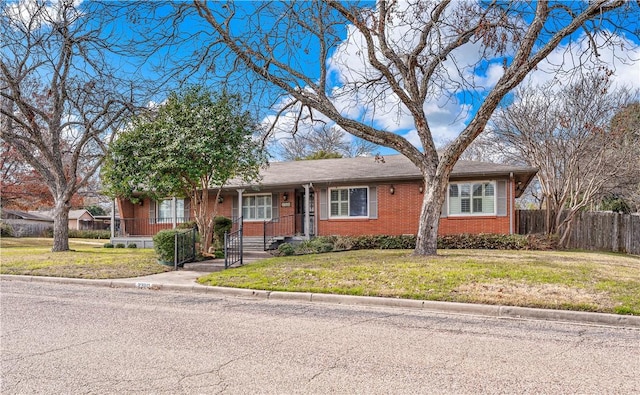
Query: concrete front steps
{"type": "Point", "coordinates": [253, 243]}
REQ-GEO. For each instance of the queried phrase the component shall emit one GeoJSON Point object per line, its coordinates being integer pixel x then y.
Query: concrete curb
{"type": "Point", "coordinates": [513, 312]}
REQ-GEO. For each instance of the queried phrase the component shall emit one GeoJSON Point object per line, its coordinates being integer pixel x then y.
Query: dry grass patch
{"type": "Point", "coordinates": [529, 295]}
{"type": "Point", "coordinates": [33, 256]}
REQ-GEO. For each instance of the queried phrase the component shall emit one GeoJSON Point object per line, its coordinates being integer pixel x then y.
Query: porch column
{"type": "Point", "coordinates": [113, 218]}
{"type": "Point", "coordinates": [307, 222]}
{"type": "Point", "coordinates": [240, 191]}
{"type": "Point", "coordinates": [174, 214]}
{"type": "Point", "coordinates": [510, 200]}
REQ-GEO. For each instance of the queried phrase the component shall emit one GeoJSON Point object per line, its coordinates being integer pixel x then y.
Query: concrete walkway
{"type": "Point", "coordinates": [188, 274]}
{"type": "Point", "coordinates": [184, 280]}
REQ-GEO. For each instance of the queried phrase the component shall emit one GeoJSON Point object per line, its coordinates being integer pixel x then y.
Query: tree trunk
{"type": "Point", "coordinates": [205, 229]}
{"type": "Point", "coordinates": [565, 234]}
{"type": "Point", "coordinates": [427, 237]}
{"type": "Point", "coordinates": [549, 219]}
{"type": "Point", "coordinates": [207, 236]}
{"type": "Point", "coordinates": [60, 227]}
{"type": "Point", "coordinates": [204, 219]}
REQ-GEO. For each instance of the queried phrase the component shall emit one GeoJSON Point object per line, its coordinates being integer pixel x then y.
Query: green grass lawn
{"type": "Point", "coordinates": [33, 256]}
{"type": "Point", "coordinates": [588, 281]}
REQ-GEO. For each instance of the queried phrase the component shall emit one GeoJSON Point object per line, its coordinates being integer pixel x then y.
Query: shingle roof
{"type": "Point", "coordinates": [75, 214]}
{"type": "Point", "coordinates": [368, 169]}
{"type": "Point", "coordinates": [34, 216]}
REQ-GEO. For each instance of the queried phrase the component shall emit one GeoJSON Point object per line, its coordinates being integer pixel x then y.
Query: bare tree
{"type": "Point", "coordinates": [412, 52]}
{"type": "Point", "coordinates": [565, 132]}
{"type": "Point", "coordinates": [329, 140]}
{"type": "Point", "coordinates": [60, 100]}
{"type": "Point", "coordinates": [626, 123]}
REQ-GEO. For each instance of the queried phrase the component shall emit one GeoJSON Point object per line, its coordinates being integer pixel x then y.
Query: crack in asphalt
{"type": "Point", "coordinates": [329, 368]}
{"type": "Point", "coordinates": [218, 370]}
{"type": "Point", "coordinates": [67, 347]}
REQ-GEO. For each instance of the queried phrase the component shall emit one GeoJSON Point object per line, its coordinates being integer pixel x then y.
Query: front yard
{"type": "Point", "coordinates": [570, 280]}
{"type": "Point", "coordinates": [588, 281]}
{"type": "Point", "coordinates": [33, 256]}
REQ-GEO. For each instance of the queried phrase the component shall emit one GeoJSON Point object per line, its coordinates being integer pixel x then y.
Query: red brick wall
{"type": "Point", "coordinates": [397, 215]}
{"type": "Point", "coordinates": [490, 224]}
{"type": "Point", "coordinates": [125, 208]}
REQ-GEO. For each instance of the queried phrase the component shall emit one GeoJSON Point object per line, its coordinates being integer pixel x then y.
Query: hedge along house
{"type": "Point", "coordinates": [347, 197]}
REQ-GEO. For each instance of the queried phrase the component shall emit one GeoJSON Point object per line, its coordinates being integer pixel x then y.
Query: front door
{"type": "Point", "coordinates": [301, 211]}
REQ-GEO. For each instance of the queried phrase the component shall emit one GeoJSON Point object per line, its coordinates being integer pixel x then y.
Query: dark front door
{"type": "Point", "coordinates": [301, 210]}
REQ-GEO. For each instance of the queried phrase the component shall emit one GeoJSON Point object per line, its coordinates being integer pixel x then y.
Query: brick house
{"type": "Point", "coordinates": [347, 196]}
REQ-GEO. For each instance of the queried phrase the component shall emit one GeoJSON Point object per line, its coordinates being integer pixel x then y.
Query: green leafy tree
{"type": "Point", "coordinates": [194, 142]}
{"type": "Point", "coordinates": [95, 210]}
{"type": "Point", "coordinates": [323, 155]}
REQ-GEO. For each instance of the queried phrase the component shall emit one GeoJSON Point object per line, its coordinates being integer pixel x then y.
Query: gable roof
{"type": "Point", "coordinates": [73, 214]}
{"type": "Point", "coordinates": [32, 216]}
{"type": "Point", "coordinates": [369, 170]}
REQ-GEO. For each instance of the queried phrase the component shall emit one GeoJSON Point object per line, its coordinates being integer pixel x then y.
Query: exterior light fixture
{"type": "Point", "coordinates": [420, 189]}
{"type": "Point", "coordinates": [220, 199]}
{"type": "Point", "coordinates": [392, 190]}
{"type": "Point", "coordinates": [285, 196]}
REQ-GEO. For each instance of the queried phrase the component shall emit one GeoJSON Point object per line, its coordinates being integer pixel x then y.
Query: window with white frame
{"type": "Point", "coordinates": [164, 211]}
{"type": "Point", "coordinates": [349, 202]}
{"type": "Point", "coordinates": [256, 207]}
{"type": "Point", "coordinates": [472, 198]}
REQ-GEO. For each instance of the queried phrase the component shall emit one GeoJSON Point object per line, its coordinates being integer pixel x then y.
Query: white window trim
{"type": "Point", "coordinates": [495, 199]}
{"type": "Point", "coordinates": [347, 216]}
{"type": "Point", "coordinates": [164, 220]}
{"type": "Point", "coordinates": [247, 195]}
{"type": "Point", "coordinates": [179, 218]}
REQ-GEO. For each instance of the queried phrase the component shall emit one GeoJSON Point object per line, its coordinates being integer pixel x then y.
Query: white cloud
{"type": "Point", "coordinates": [379, 106]}
{"type": "Point", "coordinates": [412, 137]}
{"type": "Point", "coordinates": [37, 13]}
{"type": "Point", "coordinates": [563, 63]}
{"type": "Point", "coordinates": [467, 75]}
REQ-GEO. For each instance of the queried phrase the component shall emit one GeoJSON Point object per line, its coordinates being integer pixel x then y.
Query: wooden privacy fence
{"type": "Point", "coordinates": [591, 230]}
{"type": "Point", "coordinates": [23, 228]}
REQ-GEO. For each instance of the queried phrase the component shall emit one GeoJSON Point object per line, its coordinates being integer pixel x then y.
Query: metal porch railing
{"type": "Point", "coordinates": [233, 244]}
{"type": "Point", "coordinates": [125, 227]}
{"type": "Point", "coordinates": [284, 226]}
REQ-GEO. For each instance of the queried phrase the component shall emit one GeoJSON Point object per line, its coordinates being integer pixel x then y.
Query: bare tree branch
{"type": "Point", "coordinates": [565, 132]}
{"type": "Point", "coordinates": [408, 53]}
{"type": "Point", "coordinates": [61, 97]}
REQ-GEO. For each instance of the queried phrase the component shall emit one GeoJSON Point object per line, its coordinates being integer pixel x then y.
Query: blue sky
{"type": "Point", "coordinates": [449, 111]}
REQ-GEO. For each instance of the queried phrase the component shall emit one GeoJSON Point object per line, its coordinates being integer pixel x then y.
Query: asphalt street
{"type": "Point", "coordinates": [68, 338]}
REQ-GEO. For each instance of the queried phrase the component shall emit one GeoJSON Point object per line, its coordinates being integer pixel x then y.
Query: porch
{"type": "Point", "coordinates": [288, 228]}
{"type": "Point", "coordinates": [140, 231]}
{"type": "Point", "coordinates": [271, 217]}
{"type": "Point", "coordinates": [276, 231]}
